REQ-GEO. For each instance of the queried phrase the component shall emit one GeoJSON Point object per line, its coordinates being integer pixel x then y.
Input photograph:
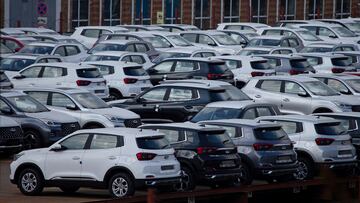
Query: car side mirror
{"type": "Point", "coordinates": [71, 107]}
{"type": "Point", "coordinates": [211, 44]}
{"type": "Point", "coordinates": [140, 100]}
{"type": "Point", "coordinates": [303, 94]}
{"type": "Point", "coordinates": [6, 110]}
{"type": "Point", "coordinates": [333, 36]}
{"type": "Point", "coordinates": [152, 71]}
{"type": "Point", "coordinates": [57, 147]}
{"type": "Point", "coordinates": [18, 77]}
{"type": "Point", "coordinates": [347, 92]}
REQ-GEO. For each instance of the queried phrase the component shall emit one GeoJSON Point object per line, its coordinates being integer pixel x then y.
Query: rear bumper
{"type": "Point", "coordinates": [277, 171]}
{"type": "Point", "coordinates": [139, 183]}
{"type": "Point", "coordinates": [338, 165]}
{"type": "Point", "coordinates": [220, 177]}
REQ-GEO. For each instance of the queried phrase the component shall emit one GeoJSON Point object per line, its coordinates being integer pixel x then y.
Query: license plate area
{"type": "Point", "coordinates": [283, 159]}
{"type": "Point", "coordinates": [99, 91]}
{"type": "Point", "coordinates": [167, 168]}
{"type": "Point", "coordinates": [345, 153]}
{"type": "Point", "coordinates": [227, 164]}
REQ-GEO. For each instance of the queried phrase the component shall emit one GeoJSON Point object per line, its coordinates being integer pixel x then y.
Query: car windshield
{"type": "Point", "coordinates": [15, 64]}
{"type": "Point", "coordinates": [224, 39]}
{"type": "Point", "coordinates": [157, 42]}
{"type": "Point", "coordinates": [179, 41]}
{"type": "Point", "coordinates": [330, 129]}
{"type": "Point", "coordinates": [251, 35]}
{"type": "Point", "coordinates": [252, 52]}
{"type": "Point", "coordinates": [353, 26]}
{"type": "Point", "coordinates": [344, 32]}
{"type": "Point", "coordinates": [155, 142]}
{"type": "Point", "coordinates": [300, 63]}
{"type": "Point", "coordinates": [260, 65]}
{"type": "Point", "coordinates": [34, 49]}
{"type": "Point", "coordinates": [265, 42]}
{"type": "Point", "coordinates": [89, 73]}
{"type": "Point", "coordinates": [215, 139]}
{"type": "Point", "coordinates": [343, 61]}
{"type": "Point", "coordinates": [4, 49]}
{"type": "Point", "coordinates": [308, 36]}
{"type": "Point", "coordinates": [89, 101]}
{"type": "Point", "coordinates": [316, 49]}
{"type": "Point", "coordinates": [27, 104]}
{"type": "Point", "coordinates": [106, 47]}
{"type": "Point", "coordinates": [166, 55]}
{"type": "Point", "coordinates": [93, 58]}
{"type": "Point", "coordinates": [320, 89]}
{"type": "Point", "coordinates": [354, 84]}
{"type": "Point", "coordinates": [273, 133]}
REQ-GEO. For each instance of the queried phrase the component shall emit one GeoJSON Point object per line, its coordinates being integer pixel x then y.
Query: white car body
{"type": "Point", "coordinates": [255, 27]}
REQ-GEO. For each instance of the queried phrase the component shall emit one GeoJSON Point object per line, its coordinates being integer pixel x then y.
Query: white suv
{"type": "Point", "coordinates": [124, 79]}
{"type": "Point", "coordinates": [120, 160]}
{"type": "Point", "coordinates": [55, 75]}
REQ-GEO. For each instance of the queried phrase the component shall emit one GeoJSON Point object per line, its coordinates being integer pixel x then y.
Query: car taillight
{"type": "Point", "coordinates": [83, 82]}
{"type": "Point", "coordinates": [206, 150]}
{"type": "Point", "coordinates": [213, 76]}
{"type": "Point", "coordinates": [295, 72]}
{"type": "Point", "coordinates": [130, 80]}
{"type": "Point", "coordinates": [338, 70]}
{"type": "Point", "coordinates": [145, 156]}
{"type": "Point", "coordinates": [262, 146]}
{"type": "Point", "coordinates": [324, 141]}
{"type": "Point", "coordinates": [256, 74]}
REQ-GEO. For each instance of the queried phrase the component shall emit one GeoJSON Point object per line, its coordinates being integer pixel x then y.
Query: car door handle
{"type": "Point", "coordinates": [286, 100]}
{"type": "Point", "coordinates": [32, 84]}
{"type": "Point", "coordinates": [257, 96]}
{"type": "Point", "coordinates": [76, 158]}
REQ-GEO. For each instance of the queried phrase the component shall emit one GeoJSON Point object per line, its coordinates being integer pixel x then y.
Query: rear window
{"type": "Point", "coordinates": [88, 73]}
{"type": "Point", "coordinates": [260, 65]}
{"type": "Point", "coordinates": [344, 61]}
{"type": "Point", "coordinates": [134, 71]}
{"type": "Point", "coordinates": [299, 63]}
{"type": "Point", "coordinates": [275, 133]}
{"type": "Point", "coordinates": [330, 129]}
{"type": "Point", "coordinates": [217, 68]}
{"type": "Point", "coordinates": [158, 142]}
{"type": "Point", "coordinates": [215, 139]}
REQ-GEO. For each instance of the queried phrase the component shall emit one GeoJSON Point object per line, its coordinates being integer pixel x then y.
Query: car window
{"type": "Point", "coordinates": [272, 32]}
{"type": "Point", "coordinates": [284, 43]}
{"type": "Point", "coordinates": [32, 72]}
{"type": "Point", "coordinates": [274, 62]}
{"type": "Point", "coordinates": [249, 114]}
{"type": "Point", "coordinates": [293, 43]}
{"type": "Point", "coordinates": [92, 33]}
{"type": "Point", "coordinates": [264, 111]}
{"type": "Point", "coordinates": [290, 127]}
{"type": "Point", "coordinates": [233, 64]}
{"type": "Point", "coordinates": [314, 60]}
{"type": "Point", "coordinates": [104, 69]}
{"type": "Point", "coordinates": [190, 37]}
{"type": "Point", "coordinates": [337, 85]}
{"type": "Point", "coordinates": [173, 136]}
{"type": "Point", "coordinates": [88, 73]}
{"type": "Point", "coordinates": [184, 66]}
{"type": "Point", "coordinates": [204, 39]}
{"type": "Point", "coordinates": [3, 105]}
{"type": "Point", "coordinates": [76, 142]}
{"type": "Point", "coordinates": [181, 94]}
{"type": "Point", "coordinates": [49, 60]}
{"type": "Point", "coordinates": [61, 100]}
{"type": "Point", "coordinates": [231, 131]}
{"type": "Point", "coordinates": [225, 113]}
{"type": "Point", "coordinates": [205, 114]}
{"type": "Point", "coordinates": [138, 59]}
{"type": "Point", "coordinates": [52, 72]}
{"type": "Point", "coordinates": [155, 142]}
{"type": "Point", "coordinates": [42, 97]}
{"type": "Point", "coordinates": [325, 32]}
{"type": "Point", "coordinates": [272, 133]}
{"type": "Point", "coordinates": [164, 67]}
{"type": "Point", "coordinates": [72, 50]}
{"type": "Point", "coordinates": [60, 51]}
{"type": "Point", "coordinates": [11, 44]}
{"type": "Point", "coordinates": [100, 141]}
{"type": "Point", "coordinates": [157, 94]}
{"type": "Point", "coordinates": [293, 88]}
{"type": "Point", "coordinates": [271, 85]}
{"type": "Point", "coordinates": [330, 129]}
{"type": "Point", "coordinates": [141, 48]}
{"type": "Point", "coordinates": [130, 47]}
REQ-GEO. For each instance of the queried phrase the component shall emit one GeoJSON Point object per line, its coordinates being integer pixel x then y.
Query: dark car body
{"type": "Point", "coordinates": [11, 135]}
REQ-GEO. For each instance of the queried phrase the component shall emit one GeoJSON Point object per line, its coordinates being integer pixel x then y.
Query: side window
{"type": "Point", "coordinates": [157, 94]}
{"type": "Point", "coordinates": [72, 50]}
{"type": "Point", "coordinates": [264, 111]}
{"type": "Point", "coordinates": [286, 51]}
{"type": "Point", "coordinates": [42, 97]}
{"type": "Point", "coordinates": [207, 54]}
{"type": "Point", "coordinates": [76, 142]}
{"type": "Point", "coordinates": [233, 64]}
{"type": "Point", "coordinates": [3, 105]}
{"type": "Point", "coordinates": [272, 32]}
{"type": "Point", "coordinates": [164, 67]}
{"type": "Point", "coordinates": [249, 114]}
{"type": "Point", "coordinates": [130, 47]}
{"type": "Point", "coordinates": [290, 127]}
{"type": "Point", "coordinates": [106, 70]}
{"type": "Point", "coordinates": [100, 141]}
{"type": "Point", "coordinates": [225, 113]}
{"type": "Point", "coordinates": [232, 131]}
{"type": "Point", "coordinates": [192, 137]}
{"type": "Point", "coordinates": [204, 39]}
{"type": "Point", "coordinates": [337, 85]}
{"type": "Point", "coordinates": [348, 48]}
{"type": "Point", "coordinates": [92, 33]}
{"type": "Point", "coordinates": [141, 48]}
{"type": "Point", "coordinates": [190, 37]}
{"type": "Point", "coordinates": [172, 136]}
{"type": "Point", "coordinates": [32, 72]}
{"type": "Point", "coordinates": [271, 85]}
{"type": "Point", "coordinates": [311, 29]}
{"type": "Point", "coordinates": [284, 43]}
{"type": "Point", "coordinates": [293, 88]}
{"type": "Point", "coordinates": [138, 59]}
{"type": "Point", "coordinates": [276, 52]}
{"type": "Point", "coordinates": [11, 44]}
{"type": "Point", "coordinates": [60, 51]}
{"type": "Point", "coordinates": [52, 72]}
{"type": "Point", "coordinates": [293, 43]}
{"type": "Point", "coordinates": [313, 61]}
{"type": "Point", "coordinates": [61, 100]}
{"type": "Point", "coordinates": [180, 94]}
{"type": "Point", "coordinates": [184, 66]}
{"type": "Point", "coordinates": [126, 58]}
{"type": "Point", "coordinates": [325, 32]}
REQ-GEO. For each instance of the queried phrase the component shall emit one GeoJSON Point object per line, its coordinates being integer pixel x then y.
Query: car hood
{"type": "Point", "coordinates": [118, 112]}
{"type": "Point", "coordinates": [53, 116]}
{"type": "Point", "coordinates": [344, 99]}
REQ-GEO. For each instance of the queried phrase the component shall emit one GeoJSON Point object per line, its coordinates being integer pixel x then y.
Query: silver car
{"type": "Point", "coordinates": [300, 95]}
{"type": "Point", "coordinates": [318, 141]}
{"type": "Point", "coordinates": [345, 84]}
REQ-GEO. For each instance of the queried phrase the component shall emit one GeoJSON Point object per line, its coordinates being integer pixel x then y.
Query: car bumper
{"type": "Point", "coordinates": [277, 171]}
{"type": "Point", "coordinates": [11, 147]}
{"type": "Point", "coordinates": [338, 165]}
{"type": "Point", "coordinates": [157, 182]}
{"type": "Point", "coordinates": [220, 177]}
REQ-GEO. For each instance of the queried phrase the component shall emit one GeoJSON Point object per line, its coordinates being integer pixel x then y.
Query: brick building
{"type": "Point", "coordinates": [202, 13]}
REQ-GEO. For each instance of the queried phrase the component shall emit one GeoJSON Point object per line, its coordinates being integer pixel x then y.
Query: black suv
{"type": "Point", "coordinates": [190, 68]}
{"type": "Point", "coordinates": [179, 100]}
{"type": "Point", "coordinates": [206, 154]}
{"type": "Point", "coordinates": [11, 135]}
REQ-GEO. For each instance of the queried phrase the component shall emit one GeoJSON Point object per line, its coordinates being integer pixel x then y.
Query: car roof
{"type": "Point", "coordinates": [322, 44]}
{"type": "Point", "coordinates": [112, 63]}
{"type": "Point", "coordinates": [285, 28]}
{"type": "Point", "coordinates": [116, 53]}
{"type": "Point", "coordinates": [186, 125]}
{"type": "Point", "coordinates": [284, 56]}
{"type": "Point", "coordinates": [178, 25]}
{"type": "Point", "coordinates": [31, 56]}
{"type": "Point", "coordinates": [261, 48]}
{"type": "Point", "coordinates": [113, 28]}
{"type": "Point", "coordinates": [301, 118]}
{"type": "Point", "coordinates": [332, 55]}
{"type": "Point", "coordinates": [208, 83]}
{"type": "Point", "coordinates": [349, 114]}
{"type": "Point", "coordinates": [209, 32]}
{"type": "Point", "coordinates": [65, 90]}
{"type": "Point", "coordinates": [116, 41]}
{"type": "Point", "coordinates": [336, 76]}
{"type": "Point", "coordinates": [53, 36]}
{"type": "Point", "coordinates": [48, 44]}
{"type": "Point", "coordinates": [198, 59]}
{"type": "Point", "coordinates": [35, 29]}
{"type": "Point", "coordinates": [235, 104]}
{"type": "Point", "coordinates": [11, 93]}
{"type": "Point", "coordinates": [12, 30]}
{"type": "Point", "coordinates": [241, 58]}
{"type": "Point", "coordinates": [248, 24]}
{"type": "Point", "coordinates": [126, 132]}
{"type": "Point", "coordinates": [242, 122]}
{"type": "Point", "coordinates": [138, 34]}
{"type": "Point", "coordinates": [67, 65]}
{"type": "Point", "coordinates": [321, 24]}
{"type": "Point", "coordinates": [297, 78]}
{"type": "Point", "coordinates": [161, 33]}
{"type": "Point", "coordinates": [356, 53]}
{"type": "Point", "coordinates": [189, 50]}
{"type": "Point", "coordinates": [275, 37]}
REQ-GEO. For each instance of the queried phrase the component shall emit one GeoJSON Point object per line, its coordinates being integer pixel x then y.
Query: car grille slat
{"type": "Point", "coordinates": [132, 123]}
{"type": "Point", "coordinates": [9, 133]}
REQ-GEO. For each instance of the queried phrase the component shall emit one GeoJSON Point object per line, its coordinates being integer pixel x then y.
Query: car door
{"type": "Point", "coordinates": [66, 164]}
{"type": "Point", "coordinates": [105, 149]}
{"type": "Point", "coordinates": [28, 77]}
{"type": "Point", "coordinates": [51, 77]}
{"type": "Point", "coordinates": [161, 71]}
{"type": "Point", "coordinates": [294, 100]}
{"type": "Point", "coordinates": [270, 92]}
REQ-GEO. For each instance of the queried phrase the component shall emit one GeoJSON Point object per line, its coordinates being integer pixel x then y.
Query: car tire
{"type": "Point", "coordinates": [246, 175]}
{"type": "Point", "coordinates": [32, 139]}
{"type": "Point", "coordinates": [187, 180]}
{"type": "Point", "coordinates": [69, 189]}
{"type": "Point", "coordinates": [115, 95]}
{"type": "Point", "coordinates": [30, 182]}
{"type": "Point", "coordinates": [305, 170]}
{"type": "Point", "coordinates": [121, 185]}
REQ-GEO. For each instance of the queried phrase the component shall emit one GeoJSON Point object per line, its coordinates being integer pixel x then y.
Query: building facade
{"type": "Point", "coordinates": [65, 15]}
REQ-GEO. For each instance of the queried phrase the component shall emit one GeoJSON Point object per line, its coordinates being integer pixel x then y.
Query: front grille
{"type": "Point", "coordinates": [132, 123]}
{"type": "Point", "coordinates": [68, 128]}
{"type": "Point", "coordinates": [356, 108]}
{"type": "Point", "coordinates": [9, 133]}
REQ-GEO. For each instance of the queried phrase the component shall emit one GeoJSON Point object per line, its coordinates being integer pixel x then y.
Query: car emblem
{"type": "Point", "coordinates": [227, 152]}
{"type": "Point", "coordinates": [73, 125]}
{"type": "Point", "coordinates": [135, 121]}
{"type": "Point", "coordinates": [283, 147]}
{"type": "Point", "coordinates": [12, 130]}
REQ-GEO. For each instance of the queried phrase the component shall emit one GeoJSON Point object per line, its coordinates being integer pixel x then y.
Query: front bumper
{"type": "Point", "coordinates": [338, 165]}
{"type": "Point", "coordinates": [139, 183]}
{"type": "Point", "coordinates": [11, 147]}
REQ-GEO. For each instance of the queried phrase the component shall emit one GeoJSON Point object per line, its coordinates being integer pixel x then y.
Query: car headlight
{"type": "Point", "coordinates": [17, 156]}
{"type": "Point", "coordinates": [343, 106]}
{"type": "Point", "coordinates": [114, 119]}
{"type": "Point", "coordinates": [51, 123]}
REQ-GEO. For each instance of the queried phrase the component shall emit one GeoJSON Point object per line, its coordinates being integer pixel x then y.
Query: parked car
{"type": "Point", "coordinates": [11, 31]}
{"type": "Point", "coordinates": [300, 95]}
{"type": "Point", "coordinates": [186, 52]}
{"type": "Point", "coordinates": [277, 41]}
{"type": "Point", "coordinates": [189, 68]}
{"type": "Point", "coordinates": [88, 35]}
{"type": "Point", "coordinates": [285, 64]}
{"type": "Point", "coordinates": [318, 142]}
{"type": "Point", "coordinates": [242, 37]}
{"type": "Point", "coordinates": [136, 57]}
{"type": "Point", "coordinates": [265, 149]}
{"type": "Point", "coordinates": [5, 83]}
{"type": "Point", "coordinates": [206, 154]}
{"type": "Point", "coordinates": [91, 111]}
{"type": "Point", "coordinates": [329, 62]}
{"type": "Point", "coordinates": [69, 75]}
{"type": "Point", "coordinates": [345, 84]}
{"type": "Point", "coordinates": [37, 31]}
{"type": "Point", "coordinates": [246, 109]}
{"type": "Point", "coordinates": [291, 23]}
{"type": "Point", "coordinates": [56, 39]}
{"type": "Point", "coordinates": [354, 56]}
{"type": "Point", "coordinates": [242, 26]}
{"type": "Point", "coordinates": [133, 157]}
{"type": "Point", "coordinates": [132, 36]}
{"type": "Point", "coordinates": [11, 139]}
{"type": "Point", "coordinates": [173, 40]}
{"type": "Point", "coordinates": [53, 124]}
{"type": "Point", "coordinates": [329, 47]}
{"type": "Point", "coordinates": [5, 51]}
{"type": "Point", "coordinates": [347, 23]}
{"type": "Point", "coordinates": [178, 100]}
{"type": "Point", "coordinates": [142, 27]}
{"type": "Point", "coordinates": [123, 79]}
{"type": "Point", "coordinates": [178, 27]}
{"type": "Point", "coordinates": [260, 50]}
{"type": "Point", "coordinates": [69, 52]}
{"type": "Point", "coordinates": [15, 43]}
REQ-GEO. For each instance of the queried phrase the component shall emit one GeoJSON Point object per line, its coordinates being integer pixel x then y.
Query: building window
{"type": "Point", "coordinates": [172, 11]}
{"type": "Point", "coordinates": [111, 12]}
{"type": "Point", "coordinates": [80, 13]}
{"type": "Point", "coordinates": [143, 12]}
{"type": "Point", "coordinates": [343, 8]}
{"type": "Point", "coordinates": [231, 10]}
{"type": "Point", "coordinates": [287, 10]}
{"type": "Point", "coordinates": [202, 13]}
{"type": "Point", "coordinates": [259, 11]}
{"type": "Point", "coordinates": [315, 9]}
